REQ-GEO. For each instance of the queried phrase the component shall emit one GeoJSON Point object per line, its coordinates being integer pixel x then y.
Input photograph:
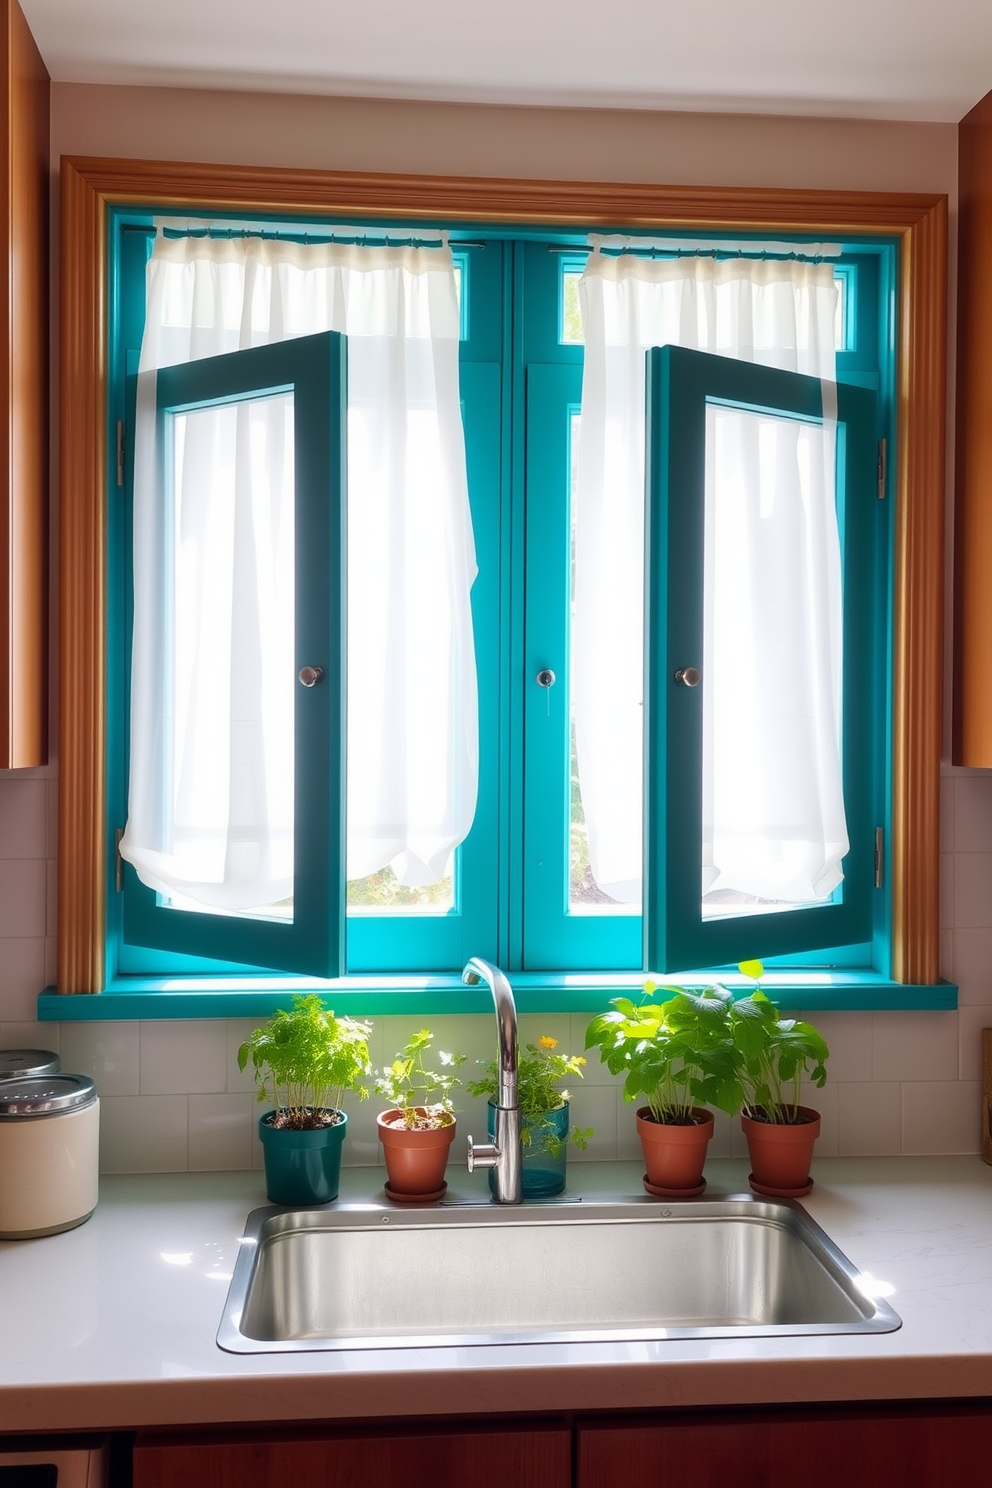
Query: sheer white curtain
{"type": "Point", "coordinates": [210, 789]}
{"type": "Point", "coordinates": [773, 814]}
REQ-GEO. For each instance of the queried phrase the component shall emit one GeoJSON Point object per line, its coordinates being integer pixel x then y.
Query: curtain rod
{"type": "Point", "coordinates": [296, 232]}
{"type": "Point", "coordinates": [696, 248]}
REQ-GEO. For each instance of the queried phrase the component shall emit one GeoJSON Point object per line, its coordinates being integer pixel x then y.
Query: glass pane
{"type": "Point", "coordinates": [584, 894]}
{"type": "Point", "coordinates": [230, 473]}
{"type": "Point", "coordinates": [410, 786]}
{"type": "Point", "coordinates": [843, 319]}
{"type": "Point", "coordinates": [382, 892]}
{"type": "Point", "coordinates": [572, 333]}
{"type": "Point", "coordinates": [774, 831]}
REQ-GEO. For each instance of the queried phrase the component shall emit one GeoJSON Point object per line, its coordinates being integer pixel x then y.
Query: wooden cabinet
{"type": "Point", "coordinates": [872, 1446]}
{"type": "Point", "coordinates": [372, 1456]}
{"type": "Point", "coordinates": [24, 395]}
{"type": "Point", "coordinates": [972, 741]}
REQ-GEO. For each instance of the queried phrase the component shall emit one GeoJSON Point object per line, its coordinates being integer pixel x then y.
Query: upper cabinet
{"type": "Point", "coordinates": [24, 396]}
{"type": "Point", "coordinates": [973, 535]}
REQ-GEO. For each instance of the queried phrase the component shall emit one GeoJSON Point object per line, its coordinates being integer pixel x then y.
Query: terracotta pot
{"type": "Point", "coordinates": [781, 1154]}
{"type": "Point", "coordinates": [415, 1160]}
{"type": "Point", "coordinates": [674, 1155]}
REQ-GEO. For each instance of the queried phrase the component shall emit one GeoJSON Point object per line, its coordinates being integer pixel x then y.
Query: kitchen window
{"type": "Point", "coordinates": [520, 366]}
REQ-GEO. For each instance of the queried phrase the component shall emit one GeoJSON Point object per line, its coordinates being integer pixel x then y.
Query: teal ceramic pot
{"type": "Point", "coordinates": [543, 1166]}
{"type": "Point", "coordinates": [302, 1167]}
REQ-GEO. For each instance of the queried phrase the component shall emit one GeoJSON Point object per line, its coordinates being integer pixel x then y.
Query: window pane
{"type": "Point", "coordinates": [774, 830]}
{"type": "Point", "coordinates": [584, 894]}
{"type": "Point", "coordinates": [572, 333]}
{"type": "Point", "coordinates": [382, 893]}
{"type": "Point", "coordinates": [230, 474]}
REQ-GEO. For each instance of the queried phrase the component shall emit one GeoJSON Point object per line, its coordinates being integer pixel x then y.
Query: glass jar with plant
{"type": "Point", "coordinates": [679, 1056]}
{"type": "Point", "coordinates": [544, 1113]}
{"type": "Point", "coordinates": [775, 1055]}
{"type": "Point", "coordinates": [304, 1061]}
{"type": "Point", "coordinates": [417, 1131]}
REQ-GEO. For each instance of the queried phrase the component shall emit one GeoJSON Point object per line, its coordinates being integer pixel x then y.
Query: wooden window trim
{"type": "Point", "coordinates": [919, 222]}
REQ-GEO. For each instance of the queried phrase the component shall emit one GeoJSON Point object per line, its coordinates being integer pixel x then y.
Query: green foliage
{"type": "Point", "coordinates": [304, 1061]}
{"type": "Point", "coordinates": [539, 1073]}
{"type": "Point", "coordinates": [572, 329]}
{"type": "Point", "coordinates": [383, 891]}
{"type": "Point", "coordinates": [408, 1083]}
{"type": "Point", "coordinates": [674, 1054]}
{"type": "Point", "coordinates": [775, 1053]}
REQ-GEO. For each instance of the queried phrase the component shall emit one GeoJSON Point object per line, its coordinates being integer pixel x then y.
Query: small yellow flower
{"type": "Point", "coordinates": [546, 1042]}
{"type": "Point", "coordinates": [579, 1059]}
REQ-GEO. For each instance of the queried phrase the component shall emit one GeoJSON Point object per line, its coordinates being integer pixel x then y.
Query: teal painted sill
{"type": "Point", "coordinates": [138, 998]}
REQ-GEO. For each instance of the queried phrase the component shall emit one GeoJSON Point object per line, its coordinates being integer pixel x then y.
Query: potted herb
{"type": "Point", "coordinates": [775, 1054]}
{"type": "Point", "coordinates": [680, 1057]}
{"type": "Point", "coordinates": [544, 1114]}
{"type": "Point", "coordinates": [304, 1061]}
{"type": "Point", "coordinates": [417, 1131]}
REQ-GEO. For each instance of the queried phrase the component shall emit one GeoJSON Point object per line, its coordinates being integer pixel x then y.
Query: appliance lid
{"type": "Point", "coordinates": [17, 1062]}
{"type": "Point", "coordinates": [45, 1095]}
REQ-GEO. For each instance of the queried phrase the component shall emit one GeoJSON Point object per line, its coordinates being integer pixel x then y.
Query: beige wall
{"type": "Point", "coordinates": [457, 139]}
{"type": "Point", "coordinates": [172, 1096]}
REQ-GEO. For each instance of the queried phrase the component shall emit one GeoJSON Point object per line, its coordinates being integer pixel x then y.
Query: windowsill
{"type": "Point", "coordinates": [138, 998]}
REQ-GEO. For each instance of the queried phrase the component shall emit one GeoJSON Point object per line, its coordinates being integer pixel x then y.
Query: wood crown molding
{"type": "Point", "coordinates": [919, 222]}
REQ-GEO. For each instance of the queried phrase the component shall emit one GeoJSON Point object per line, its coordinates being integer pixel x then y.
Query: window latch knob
{"type": "Point", "coordinates": [310, 676]}
{"type": "Point", "coordinates": [688, 676]}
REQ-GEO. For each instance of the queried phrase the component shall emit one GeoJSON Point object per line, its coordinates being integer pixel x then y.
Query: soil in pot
{"type": "Point", "coordinates": [674, 1155]}
{"type": "Point", "coordinates": [302, 1166]}
{"type": "Point", "coordinates": [781, 1152]}
{"type": "Point", "coordinates": [416, 1157]}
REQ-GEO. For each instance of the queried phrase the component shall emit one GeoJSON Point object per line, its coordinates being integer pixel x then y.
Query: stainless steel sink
{"type": "Point", "coordinates": [358, 1278]}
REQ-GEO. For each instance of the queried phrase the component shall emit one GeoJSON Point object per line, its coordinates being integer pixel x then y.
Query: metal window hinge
{"type": "Point", "coordinates": [120, 452]}
{"type": "Point", "coordinates": [118, 860]}
{"type": "Point", "coordinates": [879, 855]}
{"type": "Point", "coordinates": [882, 468]}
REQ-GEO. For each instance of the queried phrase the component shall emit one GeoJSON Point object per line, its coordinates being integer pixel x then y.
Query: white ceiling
{"type": "Point", "coordinates": [893, 59]}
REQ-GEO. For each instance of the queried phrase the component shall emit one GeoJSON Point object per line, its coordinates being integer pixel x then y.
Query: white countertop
{"type": "Point", "coordinates": [114, 1324]}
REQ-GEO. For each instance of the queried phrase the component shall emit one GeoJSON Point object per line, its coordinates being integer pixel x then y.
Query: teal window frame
{"type": "Point", "coordinates": [856, 976]}
{"type": "Point", "coordinates": [311, 369]}
{"type": "Point", "coordinates": [681, 383]}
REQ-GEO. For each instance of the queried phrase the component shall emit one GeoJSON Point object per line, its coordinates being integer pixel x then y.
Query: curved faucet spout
{"type": "Point", "coordinates": [477, 971]}
{"type": "Point", "coordinates": [504, 1154]}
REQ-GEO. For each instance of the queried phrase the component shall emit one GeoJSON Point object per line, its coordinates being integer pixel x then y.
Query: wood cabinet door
{"type": "Point", "coordinates": [24, 395]}
{"type": "Point", "coordinates": [928, 1446]}
{"type": "Point", "coordinates": [516, 1457]}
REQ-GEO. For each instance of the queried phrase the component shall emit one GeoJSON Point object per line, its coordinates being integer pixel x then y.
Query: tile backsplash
{"type": "Point", "coordinates": [172, 1097]}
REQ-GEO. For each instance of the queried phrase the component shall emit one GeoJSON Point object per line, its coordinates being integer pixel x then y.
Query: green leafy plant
{"type": "Point", "coordinates": [540, 1071]}
{"type": "Point", "coordinates": [675, 1054]}
{"type": "Point", "coordinates": [408, 1083]}
{"type": "Point", "coordinates": [775, 1054]}
{"type": "Point", "coordinates": [305, 1060]}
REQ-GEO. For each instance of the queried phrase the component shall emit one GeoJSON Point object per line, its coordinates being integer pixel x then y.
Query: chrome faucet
{"type": "Point", "coordinates": [503, 1153]}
